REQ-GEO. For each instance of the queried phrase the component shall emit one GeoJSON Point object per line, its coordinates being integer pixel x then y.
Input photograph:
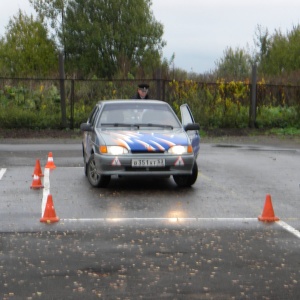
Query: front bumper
{"type": "Point", "coordinates": [121, 165]}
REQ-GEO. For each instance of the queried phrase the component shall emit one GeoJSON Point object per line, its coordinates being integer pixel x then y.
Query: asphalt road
{"type": "Point", "coordinates": [148, 239]}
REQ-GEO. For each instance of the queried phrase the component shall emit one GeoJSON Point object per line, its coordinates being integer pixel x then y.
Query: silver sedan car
{"type": "Point", "coordinates": [140, 137]}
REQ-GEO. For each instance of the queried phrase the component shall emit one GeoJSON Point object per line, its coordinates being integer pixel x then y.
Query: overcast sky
{"type": "Point", "coordinates": [199, 31]}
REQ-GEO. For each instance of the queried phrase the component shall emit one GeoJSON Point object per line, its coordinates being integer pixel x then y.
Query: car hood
{"type": "Point", "coordinates": [137, 141]}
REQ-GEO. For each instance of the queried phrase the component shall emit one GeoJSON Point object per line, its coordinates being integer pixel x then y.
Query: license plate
{"type": "Point", "coordinates": [152, 162]}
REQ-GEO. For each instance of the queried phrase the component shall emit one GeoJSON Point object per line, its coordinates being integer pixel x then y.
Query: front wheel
{"type": "Point", "coordinates": [84, 162]}
{"type": "Point", "coordinates": [187, 180]}
{"type": "Point", "coordinates": [95, 179]}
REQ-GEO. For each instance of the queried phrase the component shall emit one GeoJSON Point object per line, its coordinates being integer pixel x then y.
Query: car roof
{"type": "Point", "coordinates": [116, 101]}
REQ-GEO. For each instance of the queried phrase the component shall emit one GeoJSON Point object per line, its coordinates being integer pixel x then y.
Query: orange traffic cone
{"type": "Point", "coordinates": [37, 169]}
{"type": "Point", "coordinates": [49, 213]}
{"type": "Point", "coordinates": [50, 163]}
{"type": "Point", "coordinates": [268, 212]}
{"type": "Point", "coordinates": [36, 182]}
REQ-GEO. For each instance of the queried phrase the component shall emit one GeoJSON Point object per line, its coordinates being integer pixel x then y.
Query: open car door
{"type": "Point", "coordinates": [191, 127]}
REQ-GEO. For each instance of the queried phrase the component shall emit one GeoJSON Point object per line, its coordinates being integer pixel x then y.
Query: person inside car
{"type": "Point", "coordinates": [142, 91]}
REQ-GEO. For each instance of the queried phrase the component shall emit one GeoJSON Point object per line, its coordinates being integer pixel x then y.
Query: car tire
{"type": "Point", "coordinates": [84, 162]}
{"type": "Point", "coordinates": [95, 179]}
{"type": "Point", "coordinates": [187, 180]}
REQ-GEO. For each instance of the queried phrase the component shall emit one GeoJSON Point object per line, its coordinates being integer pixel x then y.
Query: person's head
{"type": "Point", "coordinates": [143, 90]}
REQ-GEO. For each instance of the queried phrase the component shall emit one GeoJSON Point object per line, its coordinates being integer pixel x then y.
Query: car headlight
{"type": "Point", "coordinates": [113, 150]}
{"type": "Point", "coordinates": [179, 150]}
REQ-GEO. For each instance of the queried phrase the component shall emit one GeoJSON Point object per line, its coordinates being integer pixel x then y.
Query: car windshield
{"type": "Point", "coordinates": [138, 115]}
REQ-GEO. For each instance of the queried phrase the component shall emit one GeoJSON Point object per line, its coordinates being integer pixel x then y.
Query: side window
{"type": "Point", "coordinates": [93, 115]}
{"type": "Point", "coordinates": [186, 115]}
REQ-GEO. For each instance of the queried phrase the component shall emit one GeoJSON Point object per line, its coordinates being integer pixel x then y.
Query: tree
{"type": "Point", "coordinates": [262, 42]}
{"type": "Point", "coordinates": [3, 68]}
{"type": "Point", "coordinates": [293, 57]}
{"type": "Point", "coordinates": [105, 38]}
{"type": "Point", "coordinates": [26, 51]}
{"type": "Point", "coordinates": [278, 53]}
{"type": "Point", "coordinates": [52, 12]}
{"type": "Point", "coordinates": [274, 62]}
{"type": "Point", "coordinates": [235, 64]}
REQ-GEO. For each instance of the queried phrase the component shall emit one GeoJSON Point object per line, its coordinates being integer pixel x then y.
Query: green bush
{"type": "Point", "coordinates": [17, 117]}
{"type": "Point", "coordinates": [213, 107]}
{"type": "Point", "coordinates": [278, 117]}
{"type": "Point", "coordinates": [36, 104]}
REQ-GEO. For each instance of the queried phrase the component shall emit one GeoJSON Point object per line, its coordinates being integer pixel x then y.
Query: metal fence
{"type": "Point", "coordinates": [81, 95]}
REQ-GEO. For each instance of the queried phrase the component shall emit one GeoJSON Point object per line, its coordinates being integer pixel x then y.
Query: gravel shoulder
{"type": "Point", "coordinates": [270, 140]}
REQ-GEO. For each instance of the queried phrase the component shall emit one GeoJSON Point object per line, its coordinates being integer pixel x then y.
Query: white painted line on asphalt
{"type": "Point", "coordinates": [174, 220]}
{"type": "Point", "coordinates": [289, 228]}
{"type": "Point", "coordinates": [157, 219]}
{"type": "Point", "coordinates": [2, 172]}
{"type": "Point", "coordinates": [46, 190]}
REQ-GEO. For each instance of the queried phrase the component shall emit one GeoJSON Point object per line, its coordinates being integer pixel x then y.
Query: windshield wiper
{"type": "Point", "coordinates": [137, 125]}
{"type": "Point", "coordinates": [156, 125]}
{"type": "Point", "coordinates": [119, 124]}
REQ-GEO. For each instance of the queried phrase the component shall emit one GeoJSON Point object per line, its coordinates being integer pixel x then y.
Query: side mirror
{"type": "Point", "coordinates": [191, 126]}
{"type": "Point", "coordinates": [86, 127]}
